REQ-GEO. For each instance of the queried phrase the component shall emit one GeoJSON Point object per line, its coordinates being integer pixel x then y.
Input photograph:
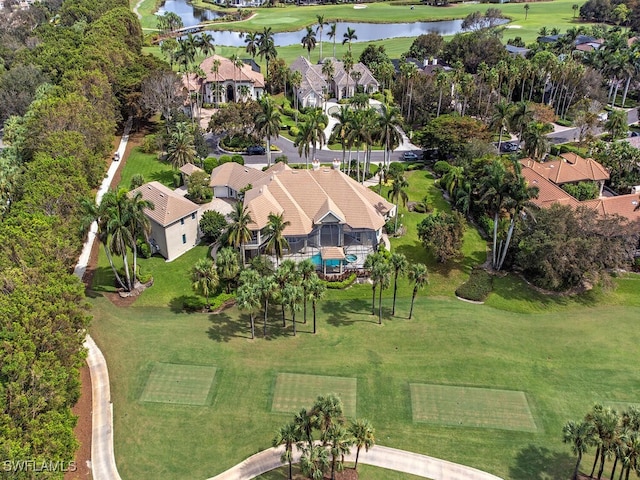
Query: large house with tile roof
{"type": "Point", "coordinates": [174, 220]}
{"type": "Point", "coordinates": [331, 216]}
{"type": "Point", "coordinates": [224, 82]}
{"type": "Point", "coordinates": [343, 84]}
{"type": "Point", "coordinates": [548, 177]}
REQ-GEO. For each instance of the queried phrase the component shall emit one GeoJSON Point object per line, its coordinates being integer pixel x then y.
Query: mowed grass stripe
{"type": "Point", "coordinates": [471, 407]}
{"type": "Point", "coordinates": [295, 391]}
{"type": "Point", "coordinates": [179, 384]}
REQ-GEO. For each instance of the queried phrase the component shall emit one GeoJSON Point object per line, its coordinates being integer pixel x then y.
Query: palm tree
{"type": "Point", "coordinates": [579, 435]}
{"type": "Point", "coordinates": [500, 118]}
{"type": "Point", "coordinates": [333, 34]}
{"type": "Point", "coordinates": [286, 436]}
{"type": "Point", "coordinates": [237, 66]}
{"type": "Point", "coordinates": [321, 24]}
{"type": "Point", "coordinates": [286, 273]}
{"type": "Point", "coordinates": [118, 225]}
{"type": "Point", "coordinates": [181, 149]}
{"type": "Point", "coordinates": [303, 141]}
{"type": "Point", "coordinates": [277, 243]}
{"type": "Point", "coordinates": [304, 422]}
{"type": "Point", "coordinates": [186, 53]}
{"type": "Point", "coordinates": [632, 454]}
{"type": "Point", "coordinates": [494, 191]}
{"type": "Point", "coordinates": [204, 278]}
{"type": "Point", "coordinates": [205, 44]}
{"type": "Point", "coordinates": [389, 121]}
{"type": "Point", "coordinates": [616, 124]}
{"type": "Point", "coordinates": [296, 81]}
{"type": "Point", "coordinates": [244, 92]}
{"type": "Point", "coordinates": [328, 70]}
{"type": "Point", "coordinates": [293, 295]}
{"type": "Point", "coordinates": [419, 275]}
{"type": "Point", "coordinates": [215, 69]}
{"type": "Point", "coordinates": [575, 7]}
{"type": "Point", "coordinates": [349, 37]}
{"type": "Point", "coordinates": [369, 264]}
{"type": "Point", "coordinates": [347, 63]}
{"type": "Point", "coordinates": [526, 10]}
{"type": "Point", "coordinates": [251, 39]}
{"type": "Point", "coordinates": [363, 435]}
{"type": "Point", "coordinates": [399, 265]}
{"type": "Point", "coordinates": [340, 445]}
{"type": "Point", "coordinates": [328, 412]}
{"type": "Point", "coordinates": [248, 295]}
{"type": "Point", "coordinates": [139, 224]}
{"type": "Point", "coordinates": [316, 290]}
{"type": "Point", "coordinates": [314, 462]}
{"type": "Point", "coordinates": [266, 286]}
{"type": "Point", "coordinates": [268, 122]}
{"type": "Point", "coordinates": [341, 128]}
{"type": "Point", "coordinates": [238, 232]}
{"type": "Point", "coordinates": [536, 142]}
{"type": "Point", "coordinates": [307, 270]}
{"type": "Point", "coordinates": [267, 46]}
{"type": "Point", "coordinates": [227, 266]}
{"type": "Point", "coordinates": [397, 193]}
{"type": "Point", "coordinates": [381, 275]}
{"type": "Point", "coordinates": [318, 122]}
{"type": "Point", "coordinates": [521, 116]}
{"type": "Point", "coordinates": [309, 41]}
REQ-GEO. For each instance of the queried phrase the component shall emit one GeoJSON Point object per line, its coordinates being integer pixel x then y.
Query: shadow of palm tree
{"type": "Point", "coordinates": [347, 312]}
{"type": "Point", "coordinates": [225, 327]}
{"type": "Point", "coordinates": [164, 177]}
{"type": "Point", "coordinates": [539, 463]}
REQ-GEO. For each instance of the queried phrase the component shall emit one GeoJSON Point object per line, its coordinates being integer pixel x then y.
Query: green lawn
{"type": "Point", "coordinates": [557, 13]}
{"type": "Point", "coordinates": [149, 166]}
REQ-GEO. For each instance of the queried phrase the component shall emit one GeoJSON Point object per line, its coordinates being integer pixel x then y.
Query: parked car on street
{"type": "Point", "coordinates": [409, 156]}
{"type": "Point", "coordinates": [256, 150]}
{"type": "Point", "coordinates": [509, 147]}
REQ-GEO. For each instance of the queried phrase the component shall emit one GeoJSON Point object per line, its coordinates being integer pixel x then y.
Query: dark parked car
{"type": "Point", "coordinates": [409, 156]}
{"type": "Point", "coordinates": [256, 150]}
{"type": "Point", "coordinates": [509, 147]}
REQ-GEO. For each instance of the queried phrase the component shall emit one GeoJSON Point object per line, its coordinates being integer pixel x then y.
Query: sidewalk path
{"type": "Point", "coordinates": [103, 462]}
{"type": "Point", "coordinates": [378, 456]}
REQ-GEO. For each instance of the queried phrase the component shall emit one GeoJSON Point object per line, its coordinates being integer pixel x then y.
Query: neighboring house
{"type": "Point", "coordinates": [333, 219]}
{"type": "Point", "coordinates": [174, 220]}
{"type": "Point", "coordinates": [226, 83]}
{"type": "Point", "coordinates": [343, 84]}
{"type": "Point", "coordinates": [544, 177]}
{"type": "Point", "coordinates": [187, 170]}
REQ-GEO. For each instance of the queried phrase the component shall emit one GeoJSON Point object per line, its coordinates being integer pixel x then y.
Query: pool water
{"type": "Point", "coordinates": [317, 261]}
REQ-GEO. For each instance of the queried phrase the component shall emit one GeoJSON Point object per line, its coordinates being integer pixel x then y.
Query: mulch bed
{"type": "Point", "coordinates": [82, 431]}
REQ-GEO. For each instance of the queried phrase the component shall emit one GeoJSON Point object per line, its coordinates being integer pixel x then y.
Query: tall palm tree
{"type": "Point", "coordinates": [266, 286]}
{"type": "Point", "coordinates": [381, 275]}
{"type": "Point", "coordinates": [296, 81]}
{"type": "Point", "coordinates": [632, 454]}
{"type": "Point", "coordinates": [139, 224]}
{"type": "Point", "coordinates": [349, 36]}
{"type": "Point", "coordinates": [316, 290]}
{"type": "Point", "coordinates": [328, 412]}
{"type": "Point", "coordinates": [215, 69]}
{"type": "Point", "coordinates": [238, 232]}
{"type": "Point", "coordinates": [118, 225]}
{"type": "Point", "coordinates": [237, 66]}
{"type": "Point", "coordinates": [304, 422]}
{"type": "Point", "coordinates": [521, 116]}
{"type": "Point", "coordinates": [251, 39]}
{"type": "Point", "coordinates": [314, 462]}
{"type": "Point", "coordinates": [347, 63]}
{"type": "Point", "coordinates": [248, 295]}
{"type": "Point", "coordinates": [321, 24]}
{"type": "Point", "coordinates": [364, 436]}
{"type": "Point", "coordinates": [285, 273]}
{"type": "Point", "coordinates": [494, 191]}
{"type": "Point", "coordinates": [228, 266]}
{"type": "Point", "coordinates": [333, 34]}
{"type": "Point", "coordinates": [181, 149]}
{"type": "Point", "coordinates": [204, 278]}
{"type": "Point", "coordinates": [186, 53]}
{"type": "Point", "coordinates": [340, 442]}
{"type": "Point", "coordinates": [579, 435]}
{"type": "Point", "coordinates": [277, 243]}
{"type": "Point", "coordinates": [397, 193]}
{"type": "Point", "coordinates": [267, 46]}
{"type": "Point", "coordinates": [205, 44]}
{"type": "Point", "coordinates": [309, 41]}
{"type": "Point", "coordinates": [419, 275]}
{"type": "Point", "coordinates": [536, 142]}
{"type": "Point", "coordinates": [306, 270]}
{"type": "Point", "coordinates": [303, 141]}
{"type": "Point", "coordinates": [318, 122]}
{"type": "Point", "coordinates": [328, 70]}
{"type": "Point", "coordinates": [344, 117]}
{"type": "Point", "coordinates": [399, 265]}
{"type": "Point", "coordinates": [268, 122]}
{"type": "Point", "coordinates": [389, 121]}
{"type": "Point", "coordinates": [369, 264]}
{"type": "Point", "coordinates": [616, 124]}
{"type": "Point", "coordinates": [292, 296]}
{"type": "Point", "coordinates": [500, 118]}
{"type": "Point", "coordinates": [286, 436]}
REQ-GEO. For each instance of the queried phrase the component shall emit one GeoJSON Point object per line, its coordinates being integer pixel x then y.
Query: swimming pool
{"type": "Point", "coordinates": [317, 261]}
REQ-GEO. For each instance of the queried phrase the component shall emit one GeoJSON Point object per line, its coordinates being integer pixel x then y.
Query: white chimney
{"type": "Point", "coordinates": [435, 61]}
{"type": "Point", "coordinates": [336, 164]}
{"type": "Point", "coordinates": [315, 164]}
{"type": "Point", "coordinates": [425, 62]}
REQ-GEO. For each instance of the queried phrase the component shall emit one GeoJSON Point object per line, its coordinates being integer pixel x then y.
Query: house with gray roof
{"type": "Point", "coordinates": [315, 85]}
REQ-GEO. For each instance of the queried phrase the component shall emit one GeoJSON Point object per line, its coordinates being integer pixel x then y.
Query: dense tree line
{"type": "Point", "coordinates": [69, 73]}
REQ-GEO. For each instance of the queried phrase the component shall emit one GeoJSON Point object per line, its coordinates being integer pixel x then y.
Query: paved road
{"type": "Point", "coordinates": [565, 135]}
{"type": "Point", "coordinates": [378, 456]}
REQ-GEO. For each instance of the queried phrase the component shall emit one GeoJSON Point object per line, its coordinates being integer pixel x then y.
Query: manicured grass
{"type": "Point", "coordinates": [471, 407]}
{"type": "Point", "coordinates": [148, 165]}
{"type": "Point", "coordinates": [179, 384]}
{"type": "Point", "coordinates": [295, 391]}
{"type": "Point", "coordinates": [565, 360]}
{"type": "Point", "coordinates": [364, 471]}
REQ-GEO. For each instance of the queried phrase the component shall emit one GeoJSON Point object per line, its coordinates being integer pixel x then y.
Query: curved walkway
{"type": "Point", "coordinates": [103, 462]}
{"type": "Point", "coordinates": [377, 456]}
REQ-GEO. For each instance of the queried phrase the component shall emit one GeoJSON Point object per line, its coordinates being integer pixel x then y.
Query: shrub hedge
{"type": "Point", "coordinates": [478, 287]}
{"type": "Point", "coordinates": [347, 282]}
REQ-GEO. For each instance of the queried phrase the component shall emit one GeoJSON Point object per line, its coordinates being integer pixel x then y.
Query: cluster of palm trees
{"type": "Point", "coordinates": [613, 434]}
{"type": "Point", "coordinates": [121, 223]}
{"type": "Point", "coordinates": [324, 438]}
{"type": "Point", "coordinates": [382, 267]}
{"type": "Point", "coordinates": [360, 127]}
{"type": "Point", "coordinates": [207, 275]}
{"type": "Point", "coordinates": [261, 44]}
{"type": "Point", "coordinates": [181, 147]}
{"type": "Point", "coordinates": [494, 187]}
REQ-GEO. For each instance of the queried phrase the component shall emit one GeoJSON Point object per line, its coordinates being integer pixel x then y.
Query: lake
{"type": "Point", "coordinates": [366, 32]}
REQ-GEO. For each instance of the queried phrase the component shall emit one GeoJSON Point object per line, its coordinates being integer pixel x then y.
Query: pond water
{"type": "Point", "coordinates": [366, 32]}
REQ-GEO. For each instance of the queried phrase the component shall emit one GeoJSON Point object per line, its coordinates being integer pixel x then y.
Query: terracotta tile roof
{"type": "Point", "coordinates": [332, 253]}
{"type": "Point", "coordinates": [189, 168]}
{"type": "Point", "coordinates": [169, 206]}
{"type": "Point", "coordinates": [623, 205]}
{"type": "Point", "coordinates": [548, 192]}
{"type": "Point", "coordinates": [571, 168]}
{"type": "Point", "coordinates": [226, 72]}
{"type": "Point", "coordinates": [234, 175]}
{"type": "Point", "coordinates": [305, 197]}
